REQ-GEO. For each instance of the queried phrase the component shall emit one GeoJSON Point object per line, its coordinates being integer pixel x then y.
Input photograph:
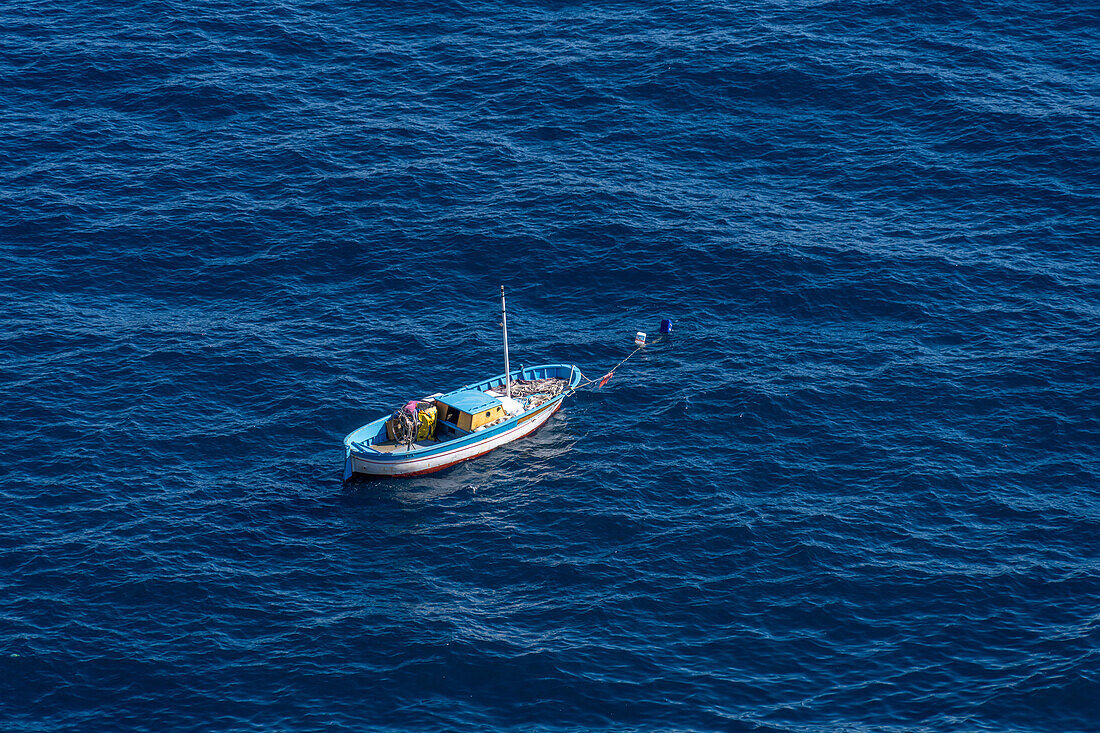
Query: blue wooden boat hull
{"type": "Point", "coordinates": [361, 457]}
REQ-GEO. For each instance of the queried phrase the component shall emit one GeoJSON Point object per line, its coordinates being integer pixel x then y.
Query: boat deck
{"type": "Point", "coordinates": [391, 446]}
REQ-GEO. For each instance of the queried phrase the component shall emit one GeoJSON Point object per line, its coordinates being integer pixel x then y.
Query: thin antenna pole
{"type": "Point", "coordinates": [504, 323]}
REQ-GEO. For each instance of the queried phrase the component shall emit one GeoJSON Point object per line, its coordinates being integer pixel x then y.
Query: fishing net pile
{"type": "Point", "coordinates": [536, 391]}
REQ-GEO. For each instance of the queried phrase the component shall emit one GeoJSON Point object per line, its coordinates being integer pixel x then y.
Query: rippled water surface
{"type": "Point", "coordinates": [857, 490]}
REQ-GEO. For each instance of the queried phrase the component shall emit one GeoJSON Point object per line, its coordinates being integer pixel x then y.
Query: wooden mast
{"type": "Point", "coordinates": [504, 323]}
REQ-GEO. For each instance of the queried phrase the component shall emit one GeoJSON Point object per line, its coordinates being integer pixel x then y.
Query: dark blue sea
{"type": "Point", "coordinates": [858, 489]}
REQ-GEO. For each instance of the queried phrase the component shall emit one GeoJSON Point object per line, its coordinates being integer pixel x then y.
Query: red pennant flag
{"type": "Point", "coordinates": [606, 378]}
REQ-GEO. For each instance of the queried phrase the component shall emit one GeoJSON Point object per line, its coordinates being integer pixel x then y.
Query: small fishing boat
{"type": "Point", "coordinates": [459, 425]}
{"type": "Point", "coordinates": [446, 428]}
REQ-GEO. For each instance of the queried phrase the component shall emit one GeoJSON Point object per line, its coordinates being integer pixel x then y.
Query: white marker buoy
{"type": "Point", "coordinates": [639, 338]}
